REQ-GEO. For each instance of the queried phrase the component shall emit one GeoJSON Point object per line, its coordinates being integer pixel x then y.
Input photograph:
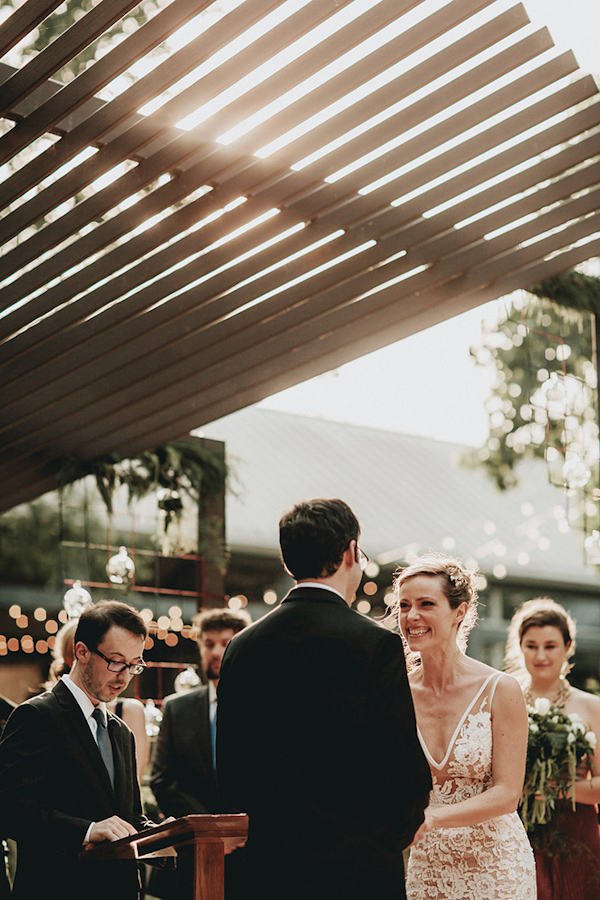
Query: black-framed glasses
{"type": "Point", "coordinates": [361, 558]}
{"type": "Point", "coordinates": [114, 666]}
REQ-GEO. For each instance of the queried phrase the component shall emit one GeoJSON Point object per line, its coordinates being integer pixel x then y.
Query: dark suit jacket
{"type": "Point", "coordinates": [317, 742]}
{"type": "Point", "coordinates": [183, 777]}
{"type": "Point", "coordinates": [6, 707]}
{"type": "Point", "coordinates": [53, 784]}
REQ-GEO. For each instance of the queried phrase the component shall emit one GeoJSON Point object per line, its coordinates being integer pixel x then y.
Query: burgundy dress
{"type": "Point", "coordinates": [578, 876]}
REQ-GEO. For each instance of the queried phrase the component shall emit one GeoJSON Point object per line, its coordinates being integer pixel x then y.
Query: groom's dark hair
{"type": "Point", "coordinates": [314, 535]}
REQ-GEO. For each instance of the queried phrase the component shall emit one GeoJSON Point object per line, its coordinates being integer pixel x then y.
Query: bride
{"type": "Point", "coordinates": [472, 725]}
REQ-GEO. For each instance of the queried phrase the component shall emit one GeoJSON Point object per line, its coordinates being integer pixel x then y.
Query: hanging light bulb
{"type": "Point", "coordinates": [75, 600]}
{"type": "Point", "coordinates": [153, 717]}
{"type": "Point", "coordinates": [576, 473]}
{"type": "Point", "coordinates": [556, 397]}
{"type": "Point", "coordinates": [187, 680]}
{"type": "Point", "coordinates": [592, 549]}
{"type": "Point", "coordinates": [120, 568]}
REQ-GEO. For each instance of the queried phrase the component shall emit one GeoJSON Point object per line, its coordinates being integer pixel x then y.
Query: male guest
{"type": "Point", "coordinates": [183, 778]}
{"type": "Point", "coordinates": [316, 736]}
{"type": "Point", "coordinates": [183, 772]}
{"type": "Point", "coordinates": [67, 768]}
{"type": "Point", "coordinates": [6, 707]}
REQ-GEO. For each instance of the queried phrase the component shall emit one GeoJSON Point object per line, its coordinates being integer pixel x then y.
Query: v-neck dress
{"type": "Point", "coordinates": [489, 861]}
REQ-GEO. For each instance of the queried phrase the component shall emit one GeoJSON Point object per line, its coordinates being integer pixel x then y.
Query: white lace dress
{"type": "Point", "coordinates": [490, 861]}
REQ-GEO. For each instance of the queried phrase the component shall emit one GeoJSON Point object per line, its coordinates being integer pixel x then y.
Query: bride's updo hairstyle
{"type": "Point", "coordinates": [458, 584]}
{"type": "Point", "coordinates": [537, 613]}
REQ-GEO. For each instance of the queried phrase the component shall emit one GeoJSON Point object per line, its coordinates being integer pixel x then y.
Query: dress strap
{"type": "Point", "coordinates": [493, 690]}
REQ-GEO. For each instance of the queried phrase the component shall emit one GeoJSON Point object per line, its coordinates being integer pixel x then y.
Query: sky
{"type": "Point", "coordinates": [428, 384]}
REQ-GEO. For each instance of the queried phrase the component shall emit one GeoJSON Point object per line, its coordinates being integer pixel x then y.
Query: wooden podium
{"type": "Point", "coordinates": [209, 836]}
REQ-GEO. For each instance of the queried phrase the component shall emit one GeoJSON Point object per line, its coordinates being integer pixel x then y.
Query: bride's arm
{"type": "Point", "coordinates": [509, 732]}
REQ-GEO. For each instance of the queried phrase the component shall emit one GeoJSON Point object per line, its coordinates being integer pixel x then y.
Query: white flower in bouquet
{"type": "Point", "coordinates": [542, 706]}
{"type": "Point", "coordinates": [578, 722]}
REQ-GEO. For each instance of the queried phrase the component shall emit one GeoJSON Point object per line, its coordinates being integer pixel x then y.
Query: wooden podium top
{"type": "Point", "coordinates": [163, 840]}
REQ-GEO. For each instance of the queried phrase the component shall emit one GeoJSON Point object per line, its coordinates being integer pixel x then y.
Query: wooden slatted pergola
{"type": "Point", "coordinates": [237, 196]}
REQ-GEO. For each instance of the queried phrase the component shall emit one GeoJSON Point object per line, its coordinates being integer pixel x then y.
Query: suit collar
{"type": "Point", "coordinates": [315, 594]}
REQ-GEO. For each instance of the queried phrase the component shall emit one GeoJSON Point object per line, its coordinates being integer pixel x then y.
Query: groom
{"type": "Point", "coordinates": [316, 736]}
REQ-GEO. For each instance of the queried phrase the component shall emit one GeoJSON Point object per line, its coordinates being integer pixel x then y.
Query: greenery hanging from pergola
{"type": "Point", "coordinates": [545, 329]}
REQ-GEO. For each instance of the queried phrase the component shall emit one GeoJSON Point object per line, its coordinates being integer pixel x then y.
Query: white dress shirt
{"type": "Point", "coordinates": [87, 708]}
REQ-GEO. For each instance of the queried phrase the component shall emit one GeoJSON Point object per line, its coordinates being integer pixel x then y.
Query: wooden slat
{"type": "Point", "coordinates": [42, 241]}
{"type": "Point", "coordinates": [82, 88]}
{"type": "Point", "coordinates": [237, 392]}
{"type": "Point", "coordinates": [416, 230]}
{"type": "Point", "coordinates": [126, 145]}
{"type": "Point", "coordinates": [23, 20]}
{"type": "Point", "coordinates": [124, 364]}
{"type": "Point", "coordinates": [66, 363]}
{"type": "Point", "coordinates": [62, 50]}
{"type": "Point", "coordinates": [120, 387]}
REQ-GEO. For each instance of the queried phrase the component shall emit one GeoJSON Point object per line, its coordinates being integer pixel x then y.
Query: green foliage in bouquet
{"type": "Point", "coordinates": [557, 745]}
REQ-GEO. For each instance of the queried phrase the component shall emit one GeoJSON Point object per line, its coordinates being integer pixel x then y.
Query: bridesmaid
{"type": "Point", "coordinates": [540, 645]}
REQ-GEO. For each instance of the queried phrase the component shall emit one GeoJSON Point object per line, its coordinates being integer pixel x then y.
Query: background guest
{"type": "Point", "coordinates": [6, 707]}
{"type": "Point", "coordinates": [539, 653]}
{"type": "Point", "coordinates": [183, 777]}
{"type": "Point", "coordinates": [183, 772]}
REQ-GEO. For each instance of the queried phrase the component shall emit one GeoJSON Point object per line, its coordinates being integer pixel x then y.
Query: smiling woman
{"type": "Point", "coordinates": [472, 725]}
{"type": "Point", "coordinates": [540, 648]}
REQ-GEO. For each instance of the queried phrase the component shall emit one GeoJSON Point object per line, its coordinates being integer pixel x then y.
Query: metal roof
{"type": "Point", "coordinates": [410, 493]}
{"type": "Point", "coordinates": [238, 196]}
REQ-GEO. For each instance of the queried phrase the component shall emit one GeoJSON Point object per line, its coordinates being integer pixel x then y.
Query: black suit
{"type": "Point", "coordinates": [317, 742]}
{"type": "Point", "coordinates": [6, 708]}
{"type": "Point", "coordinates": [183, 777]}
{"type": "Point", "coordinates": [53, 785]}
{"type": "Point", "coordinates": [184, 782]}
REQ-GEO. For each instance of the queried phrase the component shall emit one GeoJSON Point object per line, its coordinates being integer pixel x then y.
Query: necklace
{"type": "Point", "coordinates": [560, 698]}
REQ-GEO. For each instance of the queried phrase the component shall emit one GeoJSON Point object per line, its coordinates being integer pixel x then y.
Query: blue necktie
{"type": "Point", "coordinates": [104, 744]}
{"type": "Point", "coordinates": [213, 736]}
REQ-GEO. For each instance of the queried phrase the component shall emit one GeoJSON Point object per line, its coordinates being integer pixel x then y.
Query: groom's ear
{"type": "Point", "coordinates": [349, 557]}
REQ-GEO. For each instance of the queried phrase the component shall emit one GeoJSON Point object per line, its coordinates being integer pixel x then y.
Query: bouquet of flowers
{"type": "Point", "coordinates": [557, 745]}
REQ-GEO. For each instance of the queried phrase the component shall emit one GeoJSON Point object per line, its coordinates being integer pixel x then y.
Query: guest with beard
{"type": "Point", "coordinates": [183, 777]}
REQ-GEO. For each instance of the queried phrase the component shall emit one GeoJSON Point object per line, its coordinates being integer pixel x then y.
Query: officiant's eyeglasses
{"type": "Point", "coordinates": [361, 558]}
{"type": "Point", "coordinates": [114, 666]}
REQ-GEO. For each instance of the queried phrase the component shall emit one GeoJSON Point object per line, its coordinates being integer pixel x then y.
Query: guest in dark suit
{"type": "Point", "coordinates": [316, 736]}
{"type": "Point", "coordinates": [68, 780]}
{"type": "Point", "coordinates": [6, 707]}
{"type": "Point", "coordinates": [183, 778]}
{"type": "Point", "coordinates": [183, 773]}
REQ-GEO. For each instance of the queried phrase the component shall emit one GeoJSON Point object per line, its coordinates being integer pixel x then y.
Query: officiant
{"type": "Point", "coordinates": [68, 775]}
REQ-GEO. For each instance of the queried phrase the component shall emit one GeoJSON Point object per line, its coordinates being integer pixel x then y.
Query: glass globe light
{"type": "Point", "coordinates": [592, 548]}
{"type": "Point", "coordinates": [187, 680]}
{"type": "Point", "coordinates": [120, 568]}
{"type": "Point", "coordinates": [75, 600]}
{"type": "Point", "coordinates": [576, 473]}
{"type": "Point", "coordinates": [153, 718]}
{"type": "Point", "coordinates": [556, 397]}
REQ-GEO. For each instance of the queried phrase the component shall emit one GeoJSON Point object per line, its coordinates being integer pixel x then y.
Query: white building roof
{"type": "Point", "coordinates": [410, 493]}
